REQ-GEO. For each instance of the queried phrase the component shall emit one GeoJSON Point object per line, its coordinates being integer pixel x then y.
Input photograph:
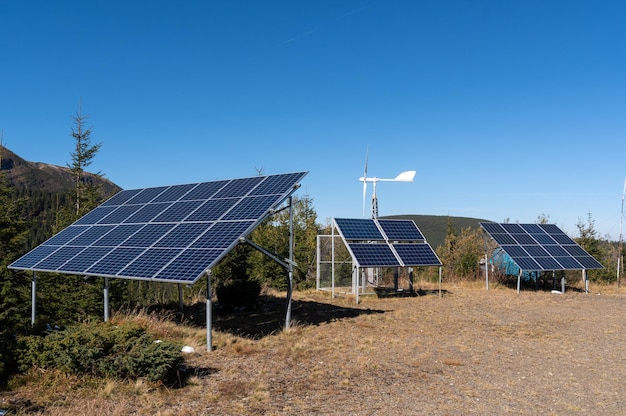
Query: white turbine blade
{"type": "Point", "coordinates": [405, 176]}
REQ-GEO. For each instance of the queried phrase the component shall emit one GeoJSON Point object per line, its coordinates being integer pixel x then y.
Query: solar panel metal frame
{"type": "Point", "coordinates": [540, 247]}
{"type": "Point", "coordinates": [137, 233]}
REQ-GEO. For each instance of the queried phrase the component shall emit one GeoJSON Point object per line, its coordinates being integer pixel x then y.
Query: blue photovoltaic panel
{"type": "Point", "coordinates": [416, 254]}
{"type": "Point", "coordinates": [359, 229]}
{"type": "Point", "coordinates": [401, 230]}
{"type": "Point", "coordinates": [118, 235]}
{"type": "Point", "coordinates": [503, 239]}
{"type": "Point", "coordinates": [212, 210]}
{"type": "Point", "coordinates": [85, 259]}
{"type": "Point", "coordinates": [147, 212]}
{"type": "Point", "coordinates": [120, 198]}
{"type": "Point", "coordinates": [373, 255]}
{"type": "Point", "coordinates": [146, 195]}
{"type": "Point", "coordinates": [538, 247]}
{"type": "Point", "coordinates": [191, 262]}
{"type": "Point", "coordinates": [30, 259]}
{"type": "Point", "coordinates": [96, 215]}
{"type": "Point", "coordinates": [399, 239]}
{"type": "Point", "coordinates": [67, 235]}
{"type": "Point", "coordinates": [167, 233]}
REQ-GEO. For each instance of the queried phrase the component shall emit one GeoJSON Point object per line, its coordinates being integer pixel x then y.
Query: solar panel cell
{"type": "Point", "coordinates": [146, 195]}
{"type": "Point", "coordinates": [91, 235]}
{"type": "Point", "coordinates": [66, 235]}
{"type": "Point", "coordinates": [204, 191]}
{"type": "Point", "coordinates": [239, 187]}
{"type": "Point", "coordinates": [147, 212]}
{"type": "Point", "coordinates": [212, 210]}
{"type": "Point", "coordinates": [503, 239]}
{"type": "Point", "coordinates": [121, 197]}
{"type": "Point", "coordinates": [60, 257]}
{"type": "Point", "coordinates": [118, 235]}
{"type": "Point", "coordinates": [96, 215]}
{"type": "Point", "coordinates": [174, 193]}
{"type": "Point", "coordinates": [189, 265]}
{"type": "Point", "coordinates": [492, 228]}
{"type": "Point", "coordinates": [223, 234]}
{"type": "Point", "coordinates": [149, 262]}
{"type": "Point", "coordinates": [33, 257]}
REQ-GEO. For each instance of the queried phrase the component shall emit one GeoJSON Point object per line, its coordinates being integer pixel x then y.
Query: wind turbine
{"type": "Point", "coordinates": [406, 176]}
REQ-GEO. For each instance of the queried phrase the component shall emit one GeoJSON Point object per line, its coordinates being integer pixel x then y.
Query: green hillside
{"type": "Point", "coordinates": [434, 227]}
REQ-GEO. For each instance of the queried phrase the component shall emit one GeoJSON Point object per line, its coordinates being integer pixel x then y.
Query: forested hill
{"type": "Point", "coordinates": [38, 176]}
{"type": "Point", "coordinates": [434, 227]}
{"type": "Point", "coordinates": [45, 188]}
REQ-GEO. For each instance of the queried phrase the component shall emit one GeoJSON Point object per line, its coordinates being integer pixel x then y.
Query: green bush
{"type": "Point", "coordinates": [103, 350]}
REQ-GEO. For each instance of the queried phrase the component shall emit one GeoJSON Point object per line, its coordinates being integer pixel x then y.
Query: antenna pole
{"type": "Point", "coordinates": [619, 251]}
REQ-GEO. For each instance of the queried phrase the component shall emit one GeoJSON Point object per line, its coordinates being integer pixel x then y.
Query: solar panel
{"type": "Point", "coordinates": [416, 254]}
{"type": "Point", "coordinates": [539, 247]}
{"type": "Point", "coordinates": [373, 255]}
{"type": "Point", "coordinates": [167, 233]}
{"type": "Point", "coordinates": [386, 242]}
{"type": "Point", "coordinates": [401, 230]}
{"type": "Point", "coordinates": [358, 229]}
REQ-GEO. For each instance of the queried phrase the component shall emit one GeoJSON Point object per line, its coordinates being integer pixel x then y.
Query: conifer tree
{"type": "Point", "coordinates": [13, 285]}
{"type": "Point", "coordinates": [82, 156]}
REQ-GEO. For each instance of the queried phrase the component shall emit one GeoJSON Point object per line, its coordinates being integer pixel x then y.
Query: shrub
{"type": "Point", "coordinates": [103, 350]}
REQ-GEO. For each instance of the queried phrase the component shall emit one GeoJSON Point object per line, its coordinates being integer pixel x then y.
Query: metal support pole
{"type": "Point", "coordinates": [440, 271]}
{"type": "Point", "coordinates": [209, 322]}
{"type": "Point", "coordinates": [290, 266]}
{"type": "Point", "coordinates": [586, 278]}
{"type": "Point", "coordinates": [396, 276]}
{"type": "Point", "coordinates": [106, 299]}
{"type": "Point", "coordinates": [411, 280]}
{"type": "Point", "coordinates": [486, 272]}
{"type": "Point", "coordinates": [33, 308]}
{"type": "Point", "coordinates": [332, 264]}
{"type": "Point", "coordinates": [180, 297]}
{"type": "Point", "coordinates": [562, 284]}
{"type": "Point", "coordinates": [519, 280]}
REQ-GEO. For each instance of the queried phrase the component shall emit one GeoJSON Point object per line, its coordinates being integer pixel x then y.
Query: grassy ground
{"type": "Point", "coordinates": [470, 351]}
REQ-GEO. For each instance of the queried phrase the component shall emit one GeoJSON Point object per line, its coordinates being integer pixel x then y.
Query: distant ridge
{"type": "Point", "coordinates": [38, 176]}
{"type": "Point", "coordinates": [434, 227]}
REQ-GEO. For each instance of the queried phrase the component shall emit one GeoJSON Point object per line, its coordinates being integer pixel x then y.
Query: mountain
{"type": "Point", "coordinates": [45, 190]}
{"type": "Point", "coordinates": [434, 227]}
{"type": "Point", "coordinates": [37, 176]}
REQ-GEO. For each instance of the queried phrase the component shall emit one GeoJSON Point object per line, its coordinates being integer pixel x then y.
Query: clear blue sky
{"type": "Point", "coordinates": [506, 109]}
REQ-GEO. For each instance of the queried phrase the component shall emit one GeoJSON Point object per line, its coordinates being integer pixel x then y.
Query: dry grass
{"type": "Point", "coordinates": [470, 351]}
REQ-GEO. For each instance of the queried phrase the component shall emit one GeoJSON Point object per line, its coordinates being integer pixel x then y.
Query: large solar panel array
{"type": "Point", "coordinates": [386, 243]}
{"type": "Point", "coordinates": [168, 233]}
{"type": "Point", "coordinates": [539, 247]}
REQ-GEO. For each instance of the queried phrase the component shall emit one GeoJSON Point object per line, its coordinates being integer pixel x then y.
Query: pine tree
{"type": "Point", "coordinates": [83, 155]}
{"type": "Point", "coordinates": [13, 285]}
